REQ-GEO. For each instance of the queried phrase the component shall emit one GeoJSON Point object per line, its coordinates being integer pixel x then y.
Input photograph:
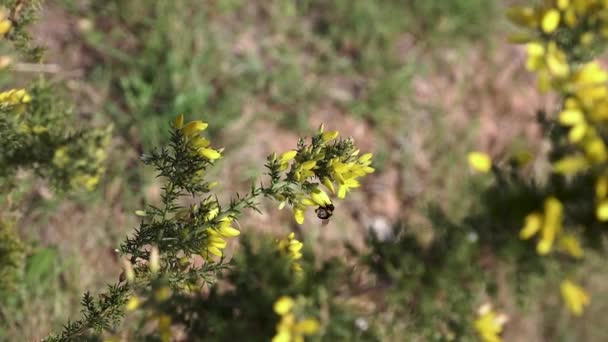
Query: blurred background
{"type": "Point", "coordinates": [418, 83]}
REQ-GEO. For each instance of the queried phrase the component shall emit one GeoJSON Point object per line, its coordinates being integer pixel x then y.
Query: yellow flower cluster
{"type": "Point", "coordinates": [338, 173]}
{"type": "Point", "coordinates": [196, 142]}
{"type": "Point", "coordinates": [560, 40]}
{"type": "Point", "coordinates": [317, 197]}
{"type": "Point", "coordinates": [290, 328]}
{"type": "Point", "coordinates": [216, 235]}
{"type": "Point", "coordinates": [5, 23]}
{"type": "Point", "coordinates": [346, 173]}
{"type": "Point", "coordinates": [291, 247]}
{"type": "Point", "coordinates": [14, 97]}
{"type": "Point", "coordinates": [587, 20]}
{"type": "Point", "coordinates": [489, 324]}
{"type": "Point", "coordinates": [75, 161]}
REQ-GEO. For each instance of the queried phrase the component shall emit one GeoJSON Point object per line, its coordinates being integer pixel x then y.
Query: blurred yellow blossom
{"type": "Point", "coordinates": [489, 324]}
{"type": "Point", "coordinates": [575, 297]}
{"type": "Point", "coordinates": [479, 162]}
{"type": "Point", "coordinates": [291, 247]}
{"type": "Point", "coordinates": [549, 224]}
{"type": "Point", "coordinates": [290, 328]}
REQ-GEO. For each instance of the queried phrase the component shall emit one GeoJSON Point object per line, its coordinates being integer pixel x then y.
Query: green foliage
{"type": "Point", "coordinates": [176, 277]}
{"type": "Point", "coordinates": [11, 261]}
{"type": "Point", "coordinates": [163, 252]}
{"type": "Point", "coordinates": [21, 15]}
{"type": "Point", "coordinates": [241, 305]}
{"type": "Point", "coordinates": [42, 136]}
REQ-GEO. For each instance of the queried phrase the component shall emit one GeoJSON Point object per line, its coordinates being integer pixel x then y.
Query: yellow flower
{"type": "Point", "coordinates": [209, 153]}
{"type": "Point", "coordinates": [601, 211]}
{"type": "Point", "coordinates": [286, 158]}
{"type": "Point", "coordinates": [601, 187]}
{"type": "Point", "coordinates": [533, 223]}
{"type": "Point", "coordinates": [308, 326]}
{"type": "Point", "coordinates": [345, 187]}
{"type": "Point", "coordinates": [575, 297]}
{"type": "Point", "coordinates": [290, 328]}
{"type": "Point", "coordinates": [61, 158]}
{"type": "Point", "coordinates": [15, 97]}
{"type": "Point", "coordinates": [570, 244]}
{"type": "Point", "coordinates": [550, 21]}
{"type": "Point", "coordinates": [329, 185]}
{"type": "Point", "coordinates": [216, 235]}
{"type": "Point", "coordinates": [178, 123]}
{"type": "Point", "coordinates": [194, 127]}
{"type": "Point", "coordinates": [548, 224]}
{"type": "Point", "coordinates": [523, 16]}
{"type": "Point", "coordinates": [489, 324]}
{"type": "Point", "coordinates": [320, 197]}
{"type": "Point", "coordinates": [571, 165]}
{"type": "Point", "coordinates": [328, 136]}
{"type": "Point", "coordinates": [283, 305]}
{"type": "Point", "coordinates": [291, 247]}
{"type": "Point", "coordinates": [133, 303]}
{"type": "Point", "coordinates": [551, 225]}
{"type": "Point", "coordinates": [5, 26]}
{"type": "Point", "coordinates": [595, 150]}
{"type": "Point", "coordinates": [480, 162]}
{"type": "Point", "coordinates": [298, 214]}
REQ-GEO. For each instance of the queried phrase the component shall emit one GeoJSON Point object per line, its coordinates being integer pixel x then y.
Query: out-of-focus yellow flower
{"type": "Point", "coordinates": [61, 158]}
{"type": "Point", "coordinates": [601, 187]}
{"type": "Point", "coordinates": [291, 247]}
{"type": "Point", "coordinates": [286, 158]}
{"type": "Point", "coordinates": [178, 123]}
{"type": "Point", "coordinates": [575, 297]}
{"type": "Point", "coordinates": [194, 127]}
{"type": "Point", "coordinates": [298, 214]}
{"type": "Point", "coordinates": [480, 162]}
{"type": "Point", "coordinates": [283, 305]}
{"type": "Point", "coordinates": [550, 21]}
{"type": "Point", "coordinates": [523, 16]}
{"type": "Point", "coordinates": [162, 294]}
{"type": "Point", "coordinates": [5, 23]}
{"type": "Point", "coordinates": [89, 182]}
{"type": "Point", "coordinates": [329, 136]}
{"type": "Point", "coordinates": [549, 224]}
{"type": "Point", "coordinates": [601, 211]}
{"type": "Point", "coordinates": [14, 97]}
{"type": "Point", "coordinates": [571, 164]}
{"type": "Point", "coordinates": [164, 327]}
{"type": "Point", "coordinates": [133, 303]}
{"type": "Point", "coordinates": [489, 324]}
{"type": "Point", "coordinates": [570, 244]}
{"type": "Point", "coordinates": [533, 223]}
{"type": "Point", "coordinates": [210, 153]}
{"type": "Point", "coordinates": [290, 328]}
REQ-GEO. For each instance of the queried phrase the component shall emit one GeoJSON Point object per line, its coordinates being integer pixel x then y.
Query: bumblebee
{"type": "Point", "coordinates": [324, 213]}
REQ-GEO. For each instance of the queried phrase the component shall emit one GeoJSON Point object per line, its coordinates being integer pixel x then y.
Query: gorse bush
{"type": "Point", "coordinates": [524, 233]}
{"type": "Point", "coordinates": [39, 135]}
